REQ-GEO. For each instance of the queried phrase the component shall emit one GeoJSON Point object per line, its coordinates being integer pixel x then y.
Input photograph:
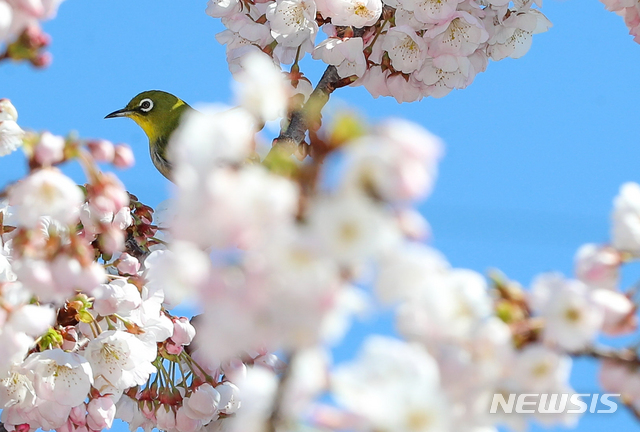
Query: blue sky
{"type": "Point", "coordinates": [536, 147]}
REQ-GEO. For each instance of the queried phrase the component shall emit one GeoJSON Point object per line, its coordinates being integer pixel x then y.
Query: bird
{"type": "Point", "coordinates": [158, 113]}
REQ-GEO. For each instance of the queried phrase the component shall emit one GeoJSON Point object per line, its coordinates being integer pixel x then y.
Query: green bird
{"type": "Point", "coordinates": [158, 113]}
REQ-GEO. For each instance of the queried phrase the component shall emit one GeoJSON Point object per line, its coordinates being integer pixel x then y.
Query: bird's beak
{"type": "Point", "coordinates": [119, 113]}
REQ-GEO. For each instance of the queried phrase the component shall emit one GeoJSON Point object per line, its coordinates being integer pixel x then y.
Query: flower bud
{"type": "Point", "coordinates": [202, 404]}
{"type": "Point", "coordinates": [100, 413]}
{"type": "Point", "coordinates": [123, 156]}
{"type": "Point", "coordinates": [102, 150]}
{"type": "Point", "coordinates": [49, 149]}
{"type": "Point", "coordinates": [78, 414]}
{"type": "Point", "coordinates": [184, 423]}
{"type": "Point", "coordinates": [112, 240]}
{"type": "Point", "coordinates": [128, 264]}
{"type": "Point", "coordinates": [183, 331]}
{"type": "Point", "coordinates": [166, 418]}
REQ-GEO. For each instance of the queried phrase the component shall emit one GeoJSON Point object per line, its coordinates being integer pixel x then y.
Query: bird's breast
{"type": "Point", "coordinates": [160, 161]}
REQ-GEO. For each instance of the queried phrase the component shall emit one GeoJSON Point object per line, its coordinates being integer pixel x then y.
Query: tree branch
{"type": "Point", "coordinates": [306, 117]}
{"type": "Point", "coordinates": [277, 419]}
{"type": "Point", "coordinates": [625, 355]}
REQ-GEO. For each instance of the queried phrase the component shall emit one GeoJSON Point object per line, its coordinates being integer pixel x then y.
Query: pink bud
{"type": "Point", "coordinates": [49, 149]}
{"type": "Point", "coordinates": [184, 423]}
{"type": "Point", "coordinates": [115, 192]}
{"type": "Point", "coordinates": [91, 277]}
{"type": "Point", "coordinates": [122, 218]}
{"type": "Point", "coordinates": [102, 150]}
{"type": "Point", "coordinates": [173, 348]}
{"type": "Point", "coordinates": [66, 271]}
{"type": "Point", "coordinates": [124, 156]}
{"type": "Point", "coordinates": [100, 413]}
{"type": "Point", "coordinates": [78, 414]}
{"type": "Point", "coordinates": [112, 240]}
{"type": "Point", "coordinates": [42, 60]}
{"type": "Point", "coordinates": [166, 418]}
{"type": "Point", "coordinates": [128, 264]}
{"type": "Point", "coordinates": [619, 312]}
{"type": "Point", "coordinates": [183, 331]}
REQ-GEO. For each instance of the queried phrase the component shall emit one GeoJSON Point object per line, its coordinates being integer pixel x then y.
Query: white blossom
{"type": "Point", "coordinates": [394, 386]}
{"type": "Point", "coordinates": [47, 192]}
{"type": "Point", "coordinates": [60, 377]}
{"type": "Point", "coordinates": [120, 360]}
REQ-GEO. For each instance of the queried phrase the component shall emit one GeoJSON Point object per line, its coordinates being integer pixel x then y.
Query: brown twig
{"type": "Point", "coordinates": [306, 117]}
{"type": "Point", "coordinates": [624, 355]}
{"type": "Point", "coordinates": [276, 419]}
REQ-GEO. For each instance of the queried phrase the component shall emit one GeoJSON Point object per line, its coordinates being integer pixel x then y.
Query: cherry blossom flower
{"type": "Point", "coordinates": [598, 266]}
{"type": "Point", "coordinates": [202, 405]}
{"type": "Point", "coordinates": [262, 89]}
{"type": "Point", "coordinates": [46, 192]}
{"type": "Point", "coordinates": [351, 228]}
{"type": "Point", "coordinates": [60, 377]}
{"type": "Point", "coordinates": [346, 54]}
{"type": "Point", "coordinates": [460, 35]}
{"type": "Point", "coordinates": [514, 36]}
{"type": "Point", "coordinates": [449, 306]}
{"type": "Point", "coordinates": [394, 386]}
{"type": "Point", "coordinates": [120, 360]}
{"type": "Point", "coordinates": [116, 297]}
{"type": "Point", "coordinates": [406, 50]}
{"type": "Point", "coordinates": [356, 13]}
{"type": "Point", "coordinates": [625, 231]}
{"type": "Point", "coordinates": [49, 149]}
{"type": "Point", "coordinates": [293, 23]}
{"type": "Point", "coordinates": [572, 318]}
{"type": "Point", "coordinates": [100, 413]}
{"type": "Point", "coordinates": [10, 133]}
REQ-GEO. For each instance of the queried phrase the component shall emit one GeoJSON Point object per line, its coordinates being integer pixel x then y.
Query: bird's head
{"type": "Point", "coordinates": [156, 112]}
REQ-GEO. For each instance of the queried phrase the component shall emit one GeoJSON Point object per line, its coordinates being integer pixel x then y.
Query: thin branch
{"type": "Point", "coordinates": [276, 418]}
{"type": "Point", "coordinates": [308, 116]}
{"type": "Point", "coordinates": [624, 355]}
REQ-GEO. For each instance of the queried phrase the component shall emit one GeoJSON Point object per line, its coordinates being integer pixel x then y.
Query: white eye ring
{"type": "Point", "coordinates": [146, 105]}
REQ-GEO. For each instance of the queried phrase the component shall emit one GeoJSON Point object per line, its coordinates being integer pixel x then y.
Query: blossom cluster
{"type": "Point", "coordinates": [20, 31]}
{"type": "Point", "coordinates": [85, 339]}
{"type": "Point", "coordinates": [630, 12]}
{"type": "Point", "coordinates": [408, 49]}
{"type": "Point", "coordinates": [277, 257]}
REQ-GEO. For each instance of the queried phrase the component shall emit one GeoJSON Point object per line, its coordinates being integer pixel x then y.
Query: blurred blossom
{"type": "Point", "coordinates": [49, 149]}
{"type": "Point", "coordinates": [261, 88]}
{"type": "Point", "coordinates": [393, 385]}
{"type": "Point", "coordinates": [625, 231]}
{"type": "Point", "coordinates": [572, 317]}
{"type": "Point", "coordinates": [10, 133]}
{"type": "Point", "coordinates": [123, 157]}
{"type": "Point", "coordinates": [46, 192]}
{"type": "Point", "coordinates": [598, 266]}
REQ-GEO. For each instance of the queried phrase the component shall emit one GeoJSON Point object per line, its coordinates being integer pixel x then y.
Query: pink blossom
{"type": "Point", "coordinates": [102, 150]}
{"type": "Point", "coordinates": [128, 264]}
{"type": "Point", "coordinates": [123, 157]}
{"type": "Point", "coordinates": [49, 149]}
{"type": "Point", "coordinates": [100, 413]}
{"type": "Point", "coordinates": [183, 331]}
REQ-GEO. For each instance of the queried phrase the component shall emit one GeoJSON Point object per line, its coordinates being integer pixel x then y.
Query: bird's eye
{"type": "Point", "coordinates": [146, 105]}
